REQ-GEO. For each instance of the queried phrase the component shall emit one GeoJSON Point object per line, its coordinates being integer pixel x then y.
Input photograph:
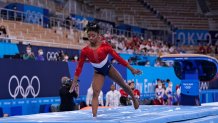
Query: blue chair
{"type": "Point", "coordinates": [16, 110]}
{"type": "Point", "coordinates": [44, 108]}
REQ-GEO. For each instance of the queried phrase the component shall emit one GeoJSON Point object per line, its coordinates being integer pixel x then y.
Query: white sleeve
{"type": "Point", "coordinates": [107, 99]}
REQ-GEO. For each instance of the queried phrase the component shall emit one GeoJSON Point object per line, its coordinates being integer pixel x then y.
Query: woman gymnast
{"type": "Point", "coordinates": [97, 52]}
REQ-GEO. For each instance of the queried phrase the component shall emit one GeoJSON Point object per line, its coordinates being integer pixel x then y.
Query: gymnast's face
{"type": "Point", "coordinates": [93, 37]}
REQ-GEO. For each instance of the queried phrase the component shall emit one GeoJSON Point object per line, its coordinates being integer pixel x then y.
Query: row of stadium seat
{"type": "Point", "coordinates": [181, 14]}
{"type": "Point", "coordinates": [140, 16]}
{"type": "Point", "coordinates": [24, 31]}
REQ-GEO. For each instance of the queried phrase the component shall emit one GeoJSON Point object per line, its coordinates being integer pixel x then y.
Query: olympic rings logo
{"type": "Point", "coordinates": [33, 17]}
{"type": "Point", "coordinates": [52, 56]}
{"type": "Point", "coordinates": [19, 89]}
{"type": "Point", "coordinates": [188, 87]}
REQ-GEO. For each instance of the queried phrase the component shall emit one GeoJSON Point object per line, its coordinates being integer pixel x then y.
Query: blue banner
{"type": "Point", "coordinates": [35, 14]}
{"type": "Point", "coordinates": [190, 87]}
{"type": "Point", "coordinates": [191, 37]}
{"type": "Point", "coordinates": [26, 79]}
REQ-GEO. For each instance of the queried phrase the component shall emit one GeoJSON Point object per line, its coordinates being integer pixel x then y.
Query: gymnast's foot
{"type": "Point", "coordinates": [136, 104]}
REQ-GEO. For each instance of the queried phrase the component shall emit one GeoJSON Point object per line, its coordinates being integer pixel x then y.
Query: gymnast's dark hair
{"type": "Point", "coordinates": [93, 26]}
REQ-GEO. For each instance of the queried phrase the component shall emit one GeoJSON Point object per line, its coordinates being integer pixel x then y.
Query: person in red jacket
{"type": "Point", "coordinates": [97, 52]}
{"type": "Point", "coordinates": [123, 93]}
{"type": "Point", "coordinates": [136, 92]}
{"type": "Point", "coordinates": [123, 98]}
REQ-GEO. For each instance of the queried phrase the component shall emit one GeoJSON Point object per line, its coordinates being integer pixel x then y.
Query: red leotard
{"type": "Point", "coordinates": [97, 56]}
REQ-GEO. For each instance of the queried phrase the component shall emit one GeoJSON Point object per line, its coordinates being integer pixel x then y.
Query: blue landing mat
{"type": "Point", "coordinates": [145, 114]}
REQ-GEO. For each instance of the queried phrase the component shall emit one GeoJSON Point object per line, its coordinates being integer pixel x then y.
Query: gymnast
{"type": "Point", "coordinates": [97, 52]}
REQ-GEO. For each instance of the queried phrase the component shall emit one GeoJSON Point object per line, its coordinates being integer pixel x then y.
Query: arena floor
{"type": "Point", "coordinates": [145, 114]}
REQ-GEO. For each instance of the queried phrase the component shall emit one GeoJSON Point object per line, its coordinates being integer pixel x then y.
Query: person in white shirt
{"type": "Point", "coordinates": [113, 97]}
{"type": "Point", "coordinates": [169, 93]}
{"type": "Point", "coordinates": [90, 95]}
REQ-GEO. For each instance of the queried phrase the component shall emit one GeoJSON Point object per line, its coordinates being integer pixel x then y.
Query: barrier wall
{"type": "Point", "coordinates": [25, 79]}
{"type": "Point", "coordinates": [30, 84]}
{"type": "Point", "coordinates": [207, 96]}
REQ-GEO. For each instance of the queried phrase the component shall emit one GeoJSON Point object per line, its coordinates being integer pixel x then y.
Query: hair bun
{"type": "Point", "coordinates": [92, 26]}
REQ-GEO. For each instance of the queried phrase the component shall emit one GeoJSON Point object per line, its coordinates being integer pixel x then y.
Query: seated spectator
{"type": "Point", "coordinates": [159, 93]}
{"type": "Point", "coordinates": [29, 55]}
{"type": "Point", "coordinates": [209, 49]}
{"type": "Point", "coordinates": [136, 92]}
{"type": "Point", "coordinates": [40, 56]}
{"type": "Point", "coordinates": [60, 55]}
{"type": "Point", "coordinates": [113, 97]}
{"type": "Point", "coordinates": [90, 95]}
{"type": "Point", "coordinates": [177, 95]}
{"type": "Point", "coordinates": [169, 93]}
{"type": "Point", "coordinates": [75, 58]}
{"type": "Point", "coordinates": [3, 30]}
{"type": "Point", "coordinates": [66, 58]}
{"type": "Point", "coordinates": [124, 97]}
{"type": "Point", "coordinates": [68, 22]}
{"type": "Point", "coordinates": [158, 62]}
{"type": "Point", "coordinates": [201, 49]}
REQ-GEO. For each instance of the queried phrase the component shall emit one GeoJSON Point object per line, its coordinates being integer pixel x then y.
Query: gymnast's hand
{"type": "Point", "coordinates": [133, 70]}
{"type": "Point", "coordinates": [136, 72]}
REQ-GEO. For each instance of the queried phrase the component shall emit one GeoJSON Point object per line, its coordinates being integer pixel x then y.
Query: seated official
{"type": "Point", "coordinates": [113, 97]}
